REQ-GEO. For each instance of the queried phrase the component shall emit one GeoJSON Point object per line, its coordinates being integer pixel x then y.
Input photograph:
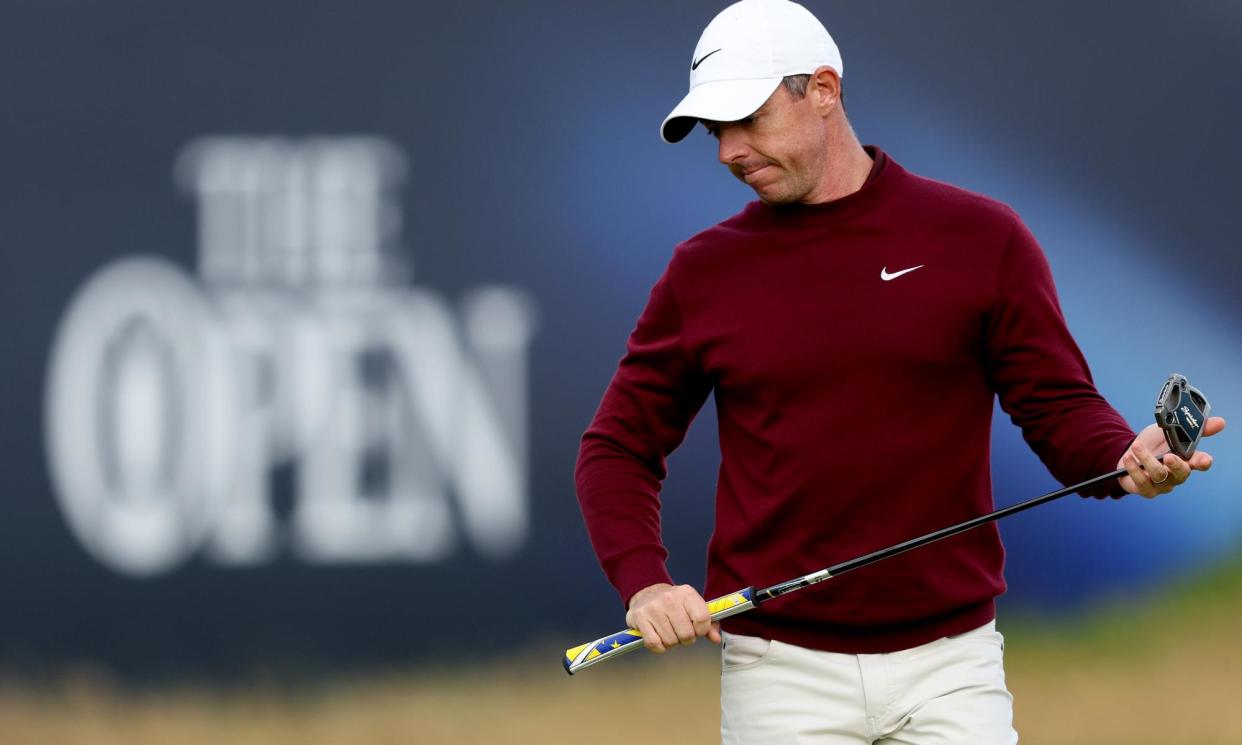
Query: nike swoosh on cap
{"type": "Point", "coordinates": [884, 275]}
{"type": "Point", "coordinates": [695, 66]}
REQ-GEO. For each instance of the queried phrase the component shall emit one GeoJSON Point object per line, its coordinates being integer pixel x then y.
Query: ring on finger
{"type": "Point", "coordinates": [1161, 481]}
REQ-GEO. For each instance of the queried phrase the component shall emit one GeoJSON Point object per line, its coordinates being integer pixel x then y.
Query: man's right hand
{"type": "Point", "coordinates": [668, 616]}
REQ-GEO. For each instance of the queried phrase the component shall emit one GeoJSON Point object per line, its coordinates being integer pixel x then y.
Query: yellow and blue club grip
{"type": "Point", "coordinates": [592, 653]}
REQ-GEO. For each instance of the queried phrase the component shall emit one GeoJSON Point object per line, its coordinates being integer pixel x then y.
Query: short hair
{"type": "Point", "coordinates": [797, 84]}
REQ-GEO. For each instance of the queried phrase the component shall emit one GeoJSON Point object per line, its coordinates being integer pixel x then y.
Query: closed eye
{"type": "Point", "coordinates": [713, 128]}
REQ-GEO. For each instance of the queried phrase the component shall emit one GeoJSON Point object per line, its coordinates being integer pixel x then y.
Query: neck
{"type": "Point", "coordinates": [847, 168]}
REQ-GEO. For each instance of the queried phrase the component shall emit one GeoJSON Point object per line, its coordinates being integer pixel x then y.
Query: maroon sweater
{"type": "Point", "coordinates": [854, 412]}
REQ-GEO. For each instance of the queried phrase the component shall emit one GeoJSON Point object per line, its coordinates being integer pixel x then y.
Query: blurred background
{"type": "Point", "coordinates": [306, 305]}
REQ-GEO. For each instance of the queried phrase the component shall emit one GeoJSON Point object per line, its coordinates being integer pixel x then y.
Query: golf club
{"type": "Point", "coordinates": [1181, 412]}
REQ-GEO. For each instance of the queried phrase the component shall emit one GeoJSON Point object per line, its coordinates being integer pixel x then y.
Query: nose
{"type": "Point", "coordinates": [733, 145]}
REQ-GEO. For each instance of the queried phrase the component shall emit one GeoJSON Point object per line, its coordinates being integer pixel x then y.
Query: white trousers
{"type": "Point", "coordinates": [947, 692]}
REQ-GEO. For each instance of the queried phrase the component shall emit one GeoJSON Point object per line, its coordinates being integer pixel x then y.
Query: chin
{"type": "Point", "coordinates": [778, 193]}
{"type": "Point", "coordinates": [770, 197]}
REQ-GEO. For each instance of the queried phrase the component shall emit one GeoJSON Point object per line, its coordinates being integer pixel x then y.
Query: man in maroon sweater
{"type": "Point", "coordinates": [853, 301]}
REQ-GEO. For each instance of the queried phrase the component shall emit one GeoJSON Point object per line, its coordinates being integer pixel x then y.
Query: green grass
{"type": "Point", "coordinates": [1167, 671]}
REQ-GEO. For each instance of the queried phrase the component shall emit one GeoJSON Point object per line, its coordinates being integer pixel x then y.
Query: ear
{"type": "Point", "coordinates": [824, 89]}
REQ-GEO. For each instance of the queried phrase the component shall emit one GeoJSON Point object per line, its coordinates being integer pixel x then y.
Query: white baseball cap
{"type": "Point", "coordinates": [742, 56]}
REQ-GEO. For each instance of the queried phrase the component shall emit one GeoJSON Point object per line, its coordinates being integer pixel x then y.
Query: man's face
{"type": "Point", "coordinates": [780, 151]}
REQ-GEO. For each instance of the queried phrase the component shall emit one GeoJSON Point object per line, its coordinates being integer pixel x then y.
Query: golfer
{"type": "Point", "coordinates": [854, 325]}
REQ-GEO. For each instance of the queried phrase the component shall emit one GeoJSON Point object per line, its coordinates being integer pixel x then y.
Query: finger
{"type": "Point", "coordinates": [713, 635]}
{"type": "Point", "coordinates": [700, 617]}
{"type": "Point", "coordinates": [683, 627]}
{"type": "Point", "coordinates": [1201, 461]}
{"type": "Point", "coordinates": [664, 628]}
{"type": "Point", "coordinates": [1157, 473]}
{"type": "Point", "coordinates": [1213, 425]}
{"type": "Point", "coordinates": [1179, 470]}
{"type": "Point", "coordinates": [1139, 482]}
{"type": "Point", "coordinates": [651, 639]}
{"type": "Point", "coordinates": [678, 610]}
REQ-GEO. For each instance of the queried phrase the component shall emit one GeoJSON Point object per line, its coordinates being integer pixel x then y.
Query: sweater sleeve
{"type": "Point", "coordinates": [654, 395]}
{"type": "Point", "coordinates": [1040, 374]}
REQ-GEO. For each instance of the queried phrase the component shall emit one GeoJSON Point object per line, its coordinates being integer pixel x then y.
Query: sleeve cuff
{"type": "Point", "coordinates": [1111, 488]}
{"type": "Point", "coordinates": [637, 571]}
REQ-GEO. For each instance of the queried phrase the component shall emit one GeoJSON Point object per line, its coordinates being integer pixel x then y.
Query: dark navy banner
{"type": "Point", "coordinates": [306, 305]}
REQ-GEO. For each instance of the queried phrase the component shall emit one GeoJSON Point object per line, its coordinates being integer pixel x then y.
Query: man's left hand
{"type": "Point", "coordinates": [1158, 476]}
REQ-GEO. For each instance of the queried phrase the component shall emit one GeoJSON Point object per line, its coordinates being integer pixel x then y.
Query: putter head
{"type": "Point", "coordinates": [1181, 412]}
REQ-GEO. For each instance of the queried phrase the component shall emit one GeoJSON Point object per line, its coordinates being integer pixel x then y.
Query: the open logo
{"type": "Point", "coordinates": [299, 355]}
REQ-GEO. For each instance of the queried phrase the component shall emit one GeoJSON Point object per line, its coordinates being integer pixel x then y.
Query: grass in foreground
{"type": "Point", "coordinates": [1169, 672]}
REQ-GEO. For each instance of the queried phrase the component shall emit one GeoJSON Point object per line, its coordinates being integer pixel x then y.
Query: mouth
{"type": "Point", "coordinates": [749, 174]}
